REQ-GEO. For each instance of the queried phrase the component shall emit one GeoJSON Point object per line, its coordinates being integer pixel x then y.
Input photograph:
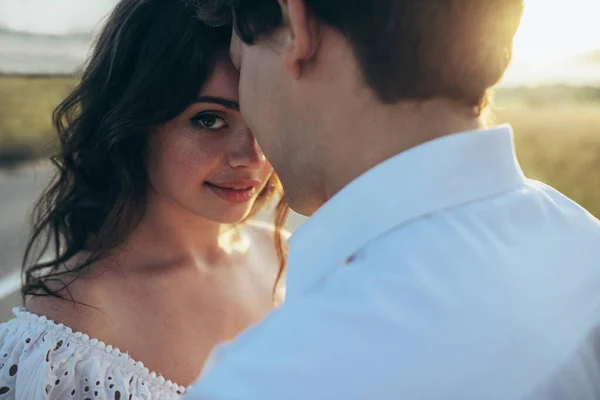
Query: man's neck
{"type": "Point", "coordinates": [388, 130]}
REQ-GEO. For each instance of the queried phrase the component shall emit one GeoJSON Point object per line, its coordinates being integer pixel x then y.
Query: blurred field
{"type": "Point", "coordinates": [558, 139]}
{"type": "Point", "coordinates": [26, 104]}
{"type": "Point", "coordinates": [557, 129]}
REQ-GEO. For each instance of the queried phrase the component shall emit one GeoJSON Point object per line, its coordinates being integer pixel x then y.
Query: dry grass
{"type": "Point", "coordinates": [557, 129]}
{"type": "Point", "coordinates": [560, 145]}
{"type": "Point", "coordinates": [26, 105]}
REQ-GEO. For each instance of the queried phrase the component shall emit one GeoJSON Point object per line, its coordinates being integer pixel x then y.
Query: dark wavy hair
{"type": "Point", "coordinates": [147, 66]}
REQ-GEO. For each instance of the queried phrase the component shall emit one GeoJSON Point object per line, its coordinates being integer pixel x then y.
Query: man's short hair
{"type": "Point", "coordinates": [407, 49]}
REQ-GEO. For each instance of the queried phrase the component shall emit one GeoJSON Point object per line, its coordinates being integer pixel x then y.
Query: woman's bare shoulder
{"type": "Point", "coordinates": [80, 313]}
{"type": "Point", "coordinates": [265, 231]}
{"type": "Point", "coordinates": [264, 235]}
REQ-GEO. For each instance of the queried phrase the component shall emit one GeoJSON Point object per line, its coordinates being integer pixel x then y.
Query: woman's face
{"type": "Point", "coordinates": [206, 160]}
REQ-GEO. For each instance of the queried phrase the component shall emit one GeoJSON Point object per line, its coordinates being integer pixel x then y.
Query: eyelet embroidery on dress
{"type": "Point", "coordinates": [146, 378]}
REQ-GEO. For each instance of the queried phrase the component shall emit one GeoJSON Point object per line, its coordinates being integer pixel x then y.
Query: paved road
{"type": "Point", "coordinates": [18, 191]}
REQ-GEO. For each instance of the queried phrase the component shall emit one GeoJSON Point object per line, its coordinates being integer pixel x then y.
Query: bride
{"type": "Point", "coordinates": [156, 261]}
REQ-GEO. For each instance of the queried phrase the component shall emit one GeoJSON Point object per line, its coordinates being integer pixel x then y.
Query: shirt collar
{"type": "Point", "coordinates": [436, 175]}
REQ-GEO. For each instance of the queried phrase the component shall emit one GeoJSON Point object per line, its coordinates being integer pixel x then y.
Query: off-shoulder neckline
{"type": "Point", "coordinates": [22, 313]}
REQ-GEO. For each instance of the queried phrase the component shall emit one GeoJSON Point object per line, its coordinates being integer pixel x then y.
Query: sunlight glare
{"type": "Point", "coordinates": [554, 29]}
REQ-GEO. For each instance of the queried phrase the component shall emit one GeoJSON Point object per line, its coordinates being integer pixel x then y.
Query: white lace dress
{"type": "Point", "coordinates": [42, 360]}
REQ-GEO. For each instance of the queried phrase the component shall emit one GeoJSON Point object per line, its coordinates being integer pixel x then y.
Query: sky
{"type": "Point", "coordinates": [551, 32]}
{"type": "Point", "coordinates": [553, 29]}
{"type": "Point", "coordinates": [55, 17]}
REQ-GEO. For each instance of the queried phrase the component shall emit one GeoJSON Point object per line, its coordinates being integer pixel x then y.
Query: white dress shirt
{"type": "Point", "coordinates": [442, 273]}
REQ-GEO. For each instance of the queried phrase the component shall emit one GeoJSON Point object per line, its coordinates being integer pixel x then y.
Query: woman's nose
{"type": "Point", "coordinates": [246, 152]}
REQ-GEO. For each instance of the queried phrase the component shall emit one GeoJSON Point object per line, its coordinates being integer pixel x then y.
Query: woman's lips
{"type": "Point", "coordinates": [237, 192]}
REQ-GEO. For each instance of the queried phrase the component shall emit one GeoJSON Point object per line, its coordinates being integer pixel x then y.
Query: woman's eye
{"type": "Point", "coordinates": [209, 121]}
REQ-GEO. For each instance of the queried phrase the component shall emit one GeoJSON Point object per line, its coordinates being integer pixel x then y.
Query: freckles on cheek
{"type": "Point", "coordinates": [177, 159]}
{"type": "Point", "coordinates": [191, 164]}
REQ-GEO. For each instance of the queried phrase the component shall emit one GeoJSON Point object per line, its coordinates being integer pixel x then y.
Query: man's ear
{"type": "Point", "coordinates": [302, 39]}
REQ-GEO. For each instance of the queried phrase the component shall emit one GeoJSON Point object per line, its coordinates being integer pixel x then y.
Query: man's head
{"type": "Point", "coordinates": [311, 68]}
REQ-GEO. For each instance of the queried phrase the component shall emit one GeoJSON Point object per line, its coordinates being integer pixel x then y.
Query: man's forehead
{"type": "Point", "coordinates": [235, 49]}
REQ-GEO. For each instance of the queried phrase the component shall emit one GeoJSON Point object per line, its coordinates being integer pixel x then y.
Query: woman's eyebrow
{"type": "Point", "coordinates": [227, 103]}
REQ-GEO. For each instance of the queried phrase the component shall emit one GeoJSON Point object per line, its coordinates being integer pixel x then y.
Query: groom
{"type": "Point", "coordinates": [431, 267]}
